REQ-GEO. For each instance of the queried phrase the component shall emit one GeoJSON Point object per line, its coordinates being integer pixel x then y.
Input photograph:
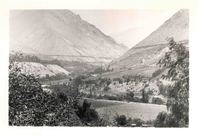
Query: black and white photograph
{"type": "Point", "coordinates": [99, 68]}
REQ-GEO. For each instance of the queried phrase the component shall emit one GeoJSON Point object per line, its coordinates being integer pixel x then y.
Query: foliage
{"type": "Point", "coordinates": [86, 113]}
{"type": "Point", "coordinates": [67, 89]}
{"type": "Point", "coordinates": [161, 120]}
{"type": "Point", "coordinates": [127, 97]}
{"type": "Point", "coordinates": [145, 96]}
{"type": "Point", "coordinates": [91, 86]}
{"type": "Point", "coordinates": [130, 96]}
{"type": "Point", "coordinates": [165, 120]}
{"type": "Point", "coordinates": [163, 89]}
{"type": "Point", "coordinates": [157, 72]}
{"type": "Point", "coordinates": [100, 70]}
{"type": "Point", "coordinates": [19, 57]}
{"type": "Point", "coordinates": [58, 76]}
{"type": "Point", "coordinates": [138, 122]}
{"type": "Point", "coordinates": [120, 120]}
{"type": "Point", "coordinates": [157, 100]}
{"type": "Point", "coordinates": [29, 105]}
{"type": "Point", "coordinates": [100, 122]}
{"type": "Point", "coordinates": [106, 88]}
{"type": "Point", "coordinates": [177, 61]}
{"type": "Point", "coordinates": [78, 81]}
{"type": "Point", "coordinates": [120, 80]}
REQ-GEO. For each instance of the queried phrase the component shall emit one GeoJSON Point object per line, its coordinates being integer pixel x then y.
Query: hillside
{"type": "Point", "coordinates": [131, 36]}
{"type": "Point", "coordinates": [62, 35]}
{"type": "Point", "coordinates": [144, 56]}
{"type": "Point", "coordinates": [143, 111]}
{"type": "Point", "coordinates": [38, 69]}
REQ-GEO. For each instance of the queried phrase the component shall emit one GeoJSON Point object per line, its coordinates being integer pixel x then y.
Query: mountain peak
{"type": "Point", "coordinates": [60, 34]}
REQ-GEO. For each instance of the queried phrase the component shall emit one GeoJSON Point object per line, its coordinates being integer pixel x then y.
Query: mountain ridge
{"type": "Point", "coordinates": [60, 32]}
{"type": "Point", "coordinates": [144, 56]}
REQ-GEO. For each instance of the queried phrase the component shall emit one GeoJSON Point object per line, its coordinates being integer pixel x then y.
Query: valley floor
{"type": "Point", "coordinates": [109, 108]}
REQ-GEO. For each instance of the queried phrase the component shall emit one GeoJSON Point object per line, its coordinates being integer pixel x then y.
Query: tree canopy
{"type": "Point", "coordinates": [176, 60]}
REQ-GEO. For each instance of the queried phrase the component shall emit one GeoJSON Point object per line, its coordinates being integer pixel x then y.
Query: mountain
{"type": "Point", "coordinates": [62, 35]}
{"type": "Point", "coordinates": [143, 57]}
{"type": "Point", "coordinates": [131, 37]}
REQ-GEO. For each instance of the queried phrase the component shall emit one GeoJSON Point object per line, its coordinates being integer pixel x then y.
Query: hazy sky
{"type": "Point", "coordinates": [117, 21]}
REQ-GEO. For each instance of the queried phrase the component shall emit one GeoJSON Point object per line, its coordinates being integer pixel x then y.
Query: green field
{"type": "Point", "coordinates": [55, 82]}
{"type": "Point", "coordinates": [108, 109]}
{"type": "Point", "coordinates": [96, 103]}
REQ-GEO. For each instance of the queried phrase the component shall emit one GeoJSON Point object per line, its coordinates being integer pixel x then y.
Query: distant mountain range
{"type": "Point", "coordinates": [62, 35]}
{"type": "Point", "coordinates": [131, 37]}
{"type": "Point", "coordinates": [143, 57]}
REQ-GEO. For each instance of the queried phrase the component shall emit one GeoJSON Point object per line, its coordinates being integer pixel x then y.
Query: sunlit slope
{"type": "Point", "coordinates": [143, 57]}
{"type": "Point", "coordinates": [60, 34]}
{"type": "Point", "coordinates": [40, 70]}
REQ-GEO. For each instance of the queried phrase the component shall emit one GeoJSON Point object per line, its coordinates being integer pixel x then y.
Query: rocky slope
{"type": "Point", "coordinates": [60, 34]}
{"type": "Point", "coordinates": [40, 70]}
{"type": "Point", "coordinates": [143, 57]}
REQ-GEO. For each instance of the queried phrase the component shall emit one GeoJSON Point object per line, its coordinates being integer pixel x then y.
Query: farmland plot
{"type": "Point", "coordinates": [110, 108]}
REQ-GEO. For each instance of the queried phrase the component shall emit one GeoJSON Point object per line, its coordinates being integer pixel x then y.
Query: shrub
{"type": "Point", "coordinates": [163, 89]}
{"type": "Point", "coordinates": [106, 88]}
{"type": "Point", "coordinates": [29, 105]}
{"type": "Point", "coordinates": [67, 89]}
{"type": "Point", "coordinates": [137, 99]}
{"type": "Point", "coordinates": [145, 96]}
{"type": "Point", "coordinates": [120, 80]}
{"type": "Point", "coordinates": [165, 120]}
{"type": "Point", "coordinates": [177, 62]}
{"type": "Point", "coordinates": [157, 72]}
{"type": "Point", "coordinates": [100, 123]}
{"type": "Point", "coordinates": [160, 120]}
{"type": "Point", "coordinates": [23, 90]}
{"type": "Point", "coordinates": [86, 114]}
{"type": "Point", "coordinates": [120, 120]}
{"type": "Point", "coordinates": [157, 100]}
{"type": "Point", "coordinates": [129, 96]}
{"type": "Point", "coordinates": [138, 122]}
{"type": "Point", "coordinates": [78, 80]}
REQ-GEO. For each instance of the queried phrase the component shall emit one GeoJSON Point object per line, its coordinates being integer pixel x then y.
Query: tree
{"type": "Point", "coordinates": [145, 93]}
{"type": "Point", "coordinates": [129, 96]}
{"type": "Point", "coordinates": [161, 120]}
{"type": "Point", "coordinates": [176, 60]}
{"type": "Point", "coordinates": [86, 113]}
{"type": "Point", "coordinates": [120, 120]}
{"type": "Point", "coordinates": [29, 105]}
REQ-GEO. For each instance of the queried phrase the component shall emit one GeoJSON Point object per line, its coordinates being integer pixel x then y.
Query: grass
{"type": "Point", "coordinates": [108, 109]}
{"type": "Point", "coordinates": [103, 103]}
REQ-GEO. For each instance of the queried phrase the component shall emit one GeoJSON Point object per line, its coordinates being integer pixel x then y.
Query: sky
{"type": "Point", "coordinates": [116, 22]}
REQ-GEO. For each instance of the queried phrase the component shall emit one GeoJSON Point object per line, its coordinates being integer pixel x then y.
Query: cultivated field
{"type": "Point", "coordinates": [96, 103]}
{"type": "Point", "coordinates": [108, 109]}
{"type": "Point", "coordinates": [55, 82]}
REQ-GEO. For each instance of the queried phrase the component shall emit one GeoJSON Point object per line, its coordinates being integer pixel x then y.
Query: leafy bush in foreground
{"type": "Point", "coordinates": [166, 120]}
{"type": "Point", "coordinates": [85, 112]}
{"type": "Point", "coordinates": [138, 122]}
{"type": "Point", "coordinates": [177, 61]}
{"type": "Point", "coordinates": [29, 105]}
{"type": "Point", "coordinates": [120, 120]}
